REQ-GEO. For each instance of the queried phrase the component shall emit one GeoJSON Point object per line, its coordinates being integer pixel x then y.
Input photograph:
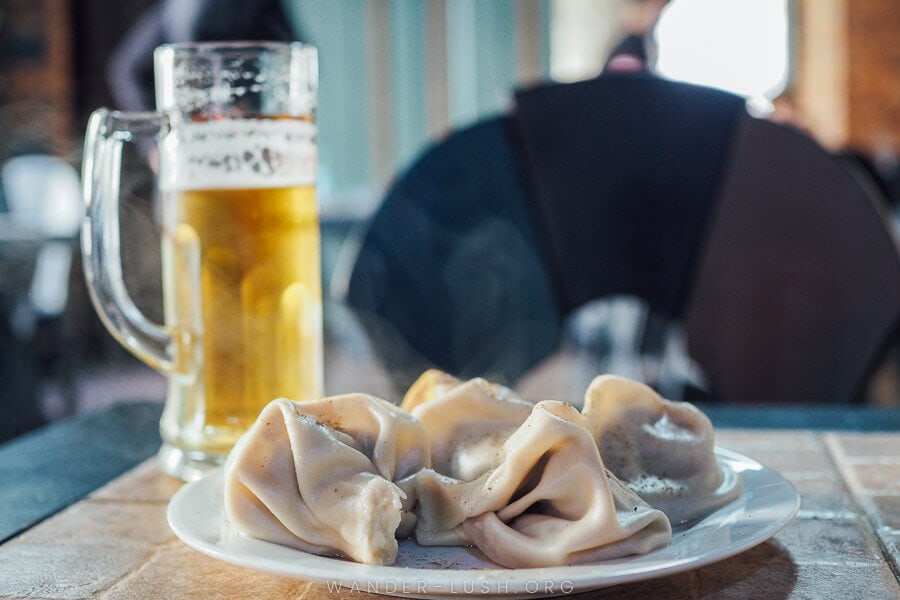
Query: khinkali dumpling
{"type": "Point", "coordinates": [467, 422]}
{"type": "Point", "coordinates": [547, 501]}
{"type": "Point", "coordinates": [662, 450]}
{"type": "Point", "coordinates": [430, 385]}
{"type": "Point", "coordinates": [332, 476]}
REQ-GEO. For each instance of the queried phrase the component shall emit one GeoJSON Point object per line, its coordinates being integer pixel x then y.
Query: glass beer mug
{"type": "Point", "coordinates": [235, 135]}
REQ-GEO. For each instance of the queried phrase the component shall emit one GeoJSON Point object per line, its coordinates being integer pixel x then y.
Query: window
{"type": "Point", "coordinates": [738, 45]}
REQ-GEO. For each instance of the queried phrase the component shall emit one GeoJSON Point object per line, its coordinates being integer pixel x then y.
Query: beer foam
{"type": "Point", "coordinates": [239, 154]}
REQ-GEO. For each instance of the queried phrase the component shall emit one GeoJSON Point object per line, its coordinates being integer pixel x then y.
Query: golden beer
{"type": "Point", "coordinates": [236, 141]}
{"type": "Point", "coordinates": [242, 291]}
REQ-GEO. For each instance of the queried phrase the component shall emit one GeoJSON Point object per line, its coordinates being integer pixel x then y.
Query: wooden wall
{"type": "Point", "coordinates": [53, 56]}
{"type": "Point", "coordinates": [35, 77]}
{"type": "Point", "coordinates": [847, 72]}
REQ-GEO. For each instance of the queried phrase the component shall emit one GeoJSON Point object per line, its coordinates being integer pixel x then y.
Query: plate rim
{"type": "Point", "coordinates": [395, 580]}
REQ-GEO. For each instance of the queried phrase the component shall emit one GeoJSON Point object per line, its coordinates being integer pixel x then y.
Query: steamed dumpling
{"type": "Point", "coordinates": [547, 501]}
{"type": "Point", "coordinates": [431, 384]}
{"type": "Point", "coordinates": [332, 476]}
{"type": "Point", "coordinates": [467, 422]}
{"type": "Point", "coordinates": [662, 450]}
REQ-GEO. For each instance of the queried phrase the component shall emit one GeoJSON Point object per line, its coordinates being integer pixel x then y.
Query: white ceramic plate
{"type": "Point", "coordinates": [768, 502]}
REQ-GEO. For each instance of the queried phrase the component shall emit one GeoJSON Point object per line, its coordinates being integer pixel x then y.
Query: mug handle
{"type": "Point", "coordinates": [107, 131]}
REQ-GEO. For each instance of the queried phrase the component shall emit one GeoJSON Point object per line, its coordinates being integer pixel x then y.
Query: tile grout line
{"type": "Point", "coordinates": [153, 553]}
{"type": "Point", "coordinates": [835, 454]}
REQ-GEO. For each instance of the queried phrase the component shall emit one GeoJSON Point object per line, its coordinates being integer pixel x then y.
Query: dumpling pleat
{"type": "Point", "coordinates": [318, 476]}
{"type": "Point", "coordinates": [547, 502]}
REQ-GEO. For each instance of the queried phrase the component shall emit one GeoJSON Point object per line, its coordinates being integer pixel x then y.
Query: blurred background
{"type": "Point", "coordinates": [395, 75]}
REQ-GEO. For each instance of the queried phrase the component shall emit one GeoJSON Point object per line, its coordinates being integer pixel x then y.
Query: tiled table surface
{"type": "Point", "coordinates": [844, 543]}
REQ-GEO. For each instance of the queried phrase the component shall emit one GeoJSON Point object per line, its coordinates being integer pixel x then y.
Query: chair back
{"type": "Point", "coordinates": [773, 258]}
{"type": "Point", "coordinates": [796, 291]}
{"type": "Point", "coordinates": [43, 196]}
